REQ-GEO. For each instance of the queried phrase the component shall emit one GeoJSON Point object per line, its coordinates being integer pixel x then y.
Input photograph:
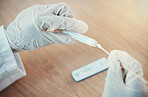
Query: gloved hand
{"type": "Point", "coordinates": [115, 85]}
{"type": "Point", "coordinates": [29, 30]}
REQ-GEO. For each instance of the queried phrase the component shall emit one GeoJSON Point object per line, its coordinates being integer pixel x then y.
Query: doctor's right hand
{"type": "Point", "coordinates": [29, 29]}
{"type": "Point", "coordinates": [115, 85]}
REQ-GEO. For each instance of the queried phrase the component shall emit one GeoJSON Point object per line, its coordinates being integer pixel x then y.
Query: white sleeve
{"type": "Point", "coordinates": [11, 67]}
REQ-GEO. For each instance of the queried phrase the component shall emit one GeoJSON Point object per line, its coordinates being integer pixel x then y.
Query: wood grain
{"type": "Point", "coordinates": [116, 24]}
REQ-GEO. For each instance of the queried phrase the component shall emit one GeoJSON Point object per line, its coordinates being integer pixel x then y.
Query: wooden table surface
{"type": "Point", "coordinates": [116, 24]}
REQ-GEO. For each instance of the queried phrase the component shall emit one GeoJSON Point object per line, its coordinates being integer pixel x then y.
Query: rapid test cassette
{"type": "Point", "coordinates": [90, 69]}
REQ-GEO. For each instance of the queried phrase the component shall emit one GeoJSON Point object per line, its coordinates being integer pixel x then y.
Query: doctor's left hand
{"type": "Point", "coordinates": [29, 29]}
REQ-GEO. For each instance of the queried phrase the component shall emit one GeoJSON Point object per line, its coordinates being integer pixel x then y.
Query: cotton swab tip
{"type": "Point", "coordinates": [99, 46]}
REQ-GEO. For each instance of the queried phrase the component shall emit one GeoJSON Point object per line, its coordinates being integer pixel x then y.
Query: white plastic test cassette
{"type": "Point", "coordinates": [90, 69]}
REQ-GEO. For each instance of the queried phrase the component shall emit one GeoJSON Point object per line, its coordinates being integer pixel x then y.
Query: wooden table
{"type": "Point", "coordinates": [116, 24]}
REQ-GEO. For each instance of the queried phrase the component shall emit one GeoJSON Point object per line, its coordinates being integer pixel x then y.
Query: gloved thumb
{"type": "Point", "coordinates": [114, 74]}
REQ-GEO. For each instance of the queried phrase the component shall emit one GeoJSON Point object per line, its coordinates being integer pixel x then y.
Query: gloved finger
{"type": "Point", "coordinates": [56, 38]}
{"type": "Point", "coordinates": [130, 62]}
{"type": "Point", "coordinates": [59, 9]}
{"type": "Point", "coordinates": [131, 80]}
{"type": "Point", "coordinates": [114, 74]}
{"type": "Point", "coordinates": [64, 23]}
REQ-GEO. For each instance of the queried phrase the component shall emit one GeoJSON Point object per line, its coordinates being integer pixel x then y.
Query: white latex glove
{"type": "Point", "coordinates": [28, 30]}
{"type": "Point", "coordinates": [115, 86]}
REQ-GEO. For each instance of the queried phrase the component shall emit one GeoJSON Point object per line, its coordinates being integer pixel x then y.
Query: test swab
{"type": "Point", "coordinates": [99, 46]}
{"type": "Point", "coordinates": [91, 42]}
